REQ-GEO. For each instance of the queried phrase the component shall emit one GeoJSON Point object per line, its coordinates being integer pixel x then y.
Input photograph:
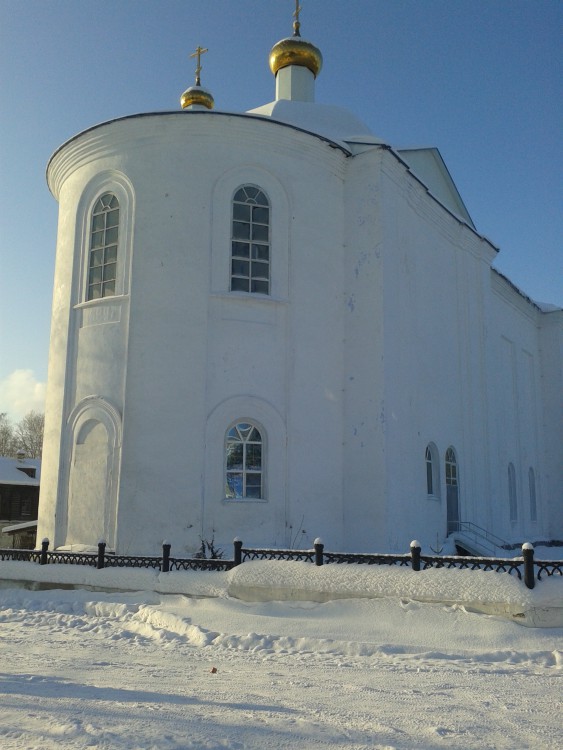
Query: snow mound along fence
{"type": "Point", "coordinates": [525, 567]}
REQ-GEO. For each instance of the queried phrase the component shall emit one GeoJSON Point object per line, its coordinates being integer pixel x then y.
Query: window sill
{"type": "Point", "coordinates": [251, 296]}
{"type": "Point", "coordinates": [436, 498]}
{"type": "Point", "coordinates": [102, 300]}
{"type": "Point", "coordinates": [241, 500]}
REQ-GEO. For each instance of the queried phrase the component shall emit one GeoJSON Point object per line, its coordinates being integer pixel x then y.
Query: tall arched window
{"type": "Point", "coordinates": [244, 462]}
{"type": "Point", "coordinates": [104, 234]}
{"type": "Point", "coordinates": [532, 485]}
{"type": "Point", "coordinates": [512, 500]}
{"type": "Point", "coordinates": [250, 245]}
{"type": "Point", "coordinates": [452, 490]}
{"type": "Point", "coordinates": [432, 471]}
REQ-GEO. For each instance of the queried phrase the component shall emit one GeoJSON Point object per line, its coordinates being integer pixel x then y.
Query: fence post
{"type": "Point", "coordinates": [165, 557]}
{"type": "Point", "coordinates": [319, 549]}
{"type": "Point", "coordinates": [238, 551]}
{"type": "Point", "coordinates": [415, 554]}
{"type": "Point", "coordinates": [44, 548]}
{"type": "Point", "coordinates": [101, 553]}
{"type": "Point", "coordinates": [528, 555]}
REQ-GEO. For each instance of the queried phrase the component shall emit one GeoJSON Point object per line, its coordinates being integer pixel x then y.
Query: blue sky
{"type": "Point", "coordinates": [479, 80]}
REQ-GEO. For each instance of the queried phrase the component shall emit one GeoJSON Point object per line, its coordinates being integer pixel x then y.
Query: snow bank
{"type": "Point", "coordinates": [482, 591]}
{"type": "Point", "coordinates": [489, 592]}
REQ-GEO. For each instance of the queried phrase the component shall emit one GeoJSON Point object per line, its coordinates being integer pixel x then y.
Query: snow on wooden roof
{"type": "Point", "coordinates": [12, 471]}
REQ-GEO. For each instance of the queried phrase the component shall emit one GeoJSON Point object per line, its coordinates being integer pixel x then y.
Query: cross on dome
{"type": "Point", "coordinates": [198, 53]}
{"type": "Point", "coordinates": [197, 97]}
{"type": "Point", "coordinates": [296, 23]}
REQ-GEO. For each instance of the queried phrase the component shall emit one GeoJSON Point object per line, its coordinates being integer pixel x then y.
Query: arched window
{"type": "Point", "coordinates": [532, 485]}
{"type": "Point", "coordinates": [432, 471]}
{"type": "Point", "coordinates": [102, 263]}
{"type": "Point", "coordinates": [250, 245]}
{"type": "Point", "coordinates": [452, 490]}
{"type": "Point", "coordinates": [244, 462]}
{"type": "Point", "coordinates": [512, 500]}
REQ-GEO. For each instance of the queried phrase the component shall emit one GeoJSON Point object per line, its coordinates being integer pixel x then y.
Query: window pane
{"type": "Point", "coordinates": [95, 275]}
{"type": "Point", "coordinates": [239, 285]}
{"type": "Point", "coordinates": [260, 270]}
{"type": "Point", "coordinates": [260, 252]}
{"type": "Point", "coordinates": [260, 215]}
{"type": "Point", "coordinates": [109, 271]}
{"type": "Point", "coordinates": [241, 230]}
{"type": "Point", "coordinates": [241, 249]}
{"type": "Point", "coordinates": [111, 236]}
{"type": "Point", "coordinates": [252, 192]}
{"type": "Point", "coordinates": [96, 258]}
{"type": "Point", "coordinates": [112, 219]}
{"type": "Point", "coordinates": [240, 195]}
{"type": "Point", "coordinates": [97, 239]}
{"type": "Point", "coordinates": [254, 457]}
{"type": "Point", "coordinates": [95, 291]}
{"type": "Point", "coordinates": [240, 268]}
{"type": "Point", "coordinates": [253, 479]}
{"type": "Point", "coordinates": [234, 485]}
{"type": "Point", "coordinates": [241, 212]}
{"type": "Point", "coordinates": [259, 287]}
{"type": "Point", "coordinates": [98, 223]}
{"type": "Point", "coordinates": [111, 254]}
{"type": "Point", "coordinates": [429, 478]}
{"type": "Point", "coordinates": [234, 456]}
{"type": "Point", "coordinates": [109, 288]}
{"type": "Point", "coordinates": [259, 232]}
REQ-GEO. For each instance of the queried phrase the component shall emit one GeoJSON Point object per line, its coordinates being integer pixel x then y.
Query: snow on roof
{"type": "Point", "coordinates": [19, 526]}
{"type": "Point", "coordinates": [334, 123]}
{"type": "Point", "coordinates": [11, 471]}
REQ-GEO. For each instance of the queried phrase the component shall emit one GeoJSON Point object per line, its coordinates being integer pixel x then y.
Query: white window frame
{"type": "Point", "coordinates": [221, 231]}
{"type": "Point", "coordinates": [245, 429]}
{"type": "Point", "coordinates": [250, 241]}
{"type": "Point", "coordinates": [103, 250]}
{"type": "Point", "coordinates": [432, 464]}
{"type": "Point", "coordinates": [117, 184]}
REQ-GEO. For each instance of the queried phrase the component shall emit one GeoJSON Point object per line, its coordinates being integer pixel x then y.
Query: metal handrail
{"type": "Point", "coordinates": [478, 534]}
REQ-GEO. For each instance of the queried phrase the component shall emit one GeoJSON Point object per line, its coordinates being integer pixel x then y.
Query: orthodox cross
{"type": "Point", "coordinates": [198, 53]}
{"type": "Point", "coordinates": [296, 23]}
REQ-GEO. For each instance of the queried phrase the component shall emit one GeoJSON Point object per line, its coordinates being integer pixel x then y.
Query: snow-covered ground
{"type": "Point", "coordinates": [278, 655]}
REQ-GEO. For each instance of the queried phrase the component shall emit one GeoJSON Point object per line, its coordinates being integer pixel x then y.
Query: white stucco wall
{"type": "Point", "coordinates": [385, 331]}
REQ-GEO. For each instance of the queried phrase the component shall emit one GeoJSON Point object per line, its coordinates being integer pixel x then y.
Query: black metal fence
{"type": "Point", "coordinates": [525, 567]}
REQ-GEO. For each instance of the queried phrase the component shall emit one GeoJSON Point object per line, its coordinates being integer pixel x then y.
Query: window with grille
{"type": "Point", "coordinates": [244, 449]}
{"type": "Point", "coordinates": [104, 235]}
{"type": "Point", "coordinates": [250, 243]}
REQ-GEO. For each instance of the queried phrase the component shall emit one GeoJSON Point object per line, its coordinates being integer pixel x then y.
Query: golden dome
{"type": "Point", "coordinates": [196, 95]}
{"type": "Point", "coordinates": [295, 51]}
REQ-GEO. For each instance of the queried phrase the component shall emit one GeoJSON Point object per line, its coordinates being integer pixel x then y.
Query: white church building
{"type": "Point", "coordinates": [274, 325]}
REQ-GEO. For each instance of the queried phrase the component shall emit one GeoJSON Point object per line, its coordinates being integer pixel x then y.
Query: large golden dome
{"type": "Point", "coordinates": [295, 51]}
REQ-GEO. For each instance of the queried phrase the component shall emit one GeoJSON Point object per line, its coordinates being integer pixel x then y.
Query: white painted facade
{"type": "Point", "coordinates": [385, 331]}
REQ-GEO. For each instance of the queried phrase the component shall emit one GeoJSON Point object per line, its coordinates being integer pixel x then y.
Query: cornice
{"type": "Point", "coordinates": [108, 138]}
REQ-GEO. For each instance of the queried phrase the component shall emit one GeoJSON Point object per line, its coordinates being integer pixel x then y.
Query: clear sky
{"type": "Point", "coordinates": [479, 79]}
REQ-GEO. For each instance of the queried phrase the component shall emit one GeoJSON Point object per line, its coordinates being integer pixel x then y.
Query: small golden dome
{"type": "Point", "coordinates": [196, 95]}
{"type": "Point", "coordinates": [295, 51]}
